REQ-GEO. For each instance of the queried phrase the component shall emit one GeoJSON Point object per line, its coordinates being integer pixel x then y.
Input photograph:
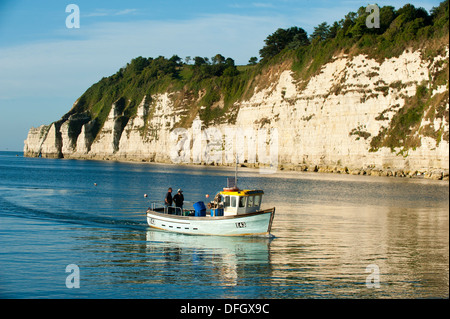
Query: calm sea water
{"type": "Point", "coordinates": [327, 230]}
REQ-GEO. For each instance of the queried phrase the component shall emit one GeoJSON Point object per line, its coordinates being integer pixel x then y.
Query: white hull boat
{"type": "Point", "coordinates": [258, 223]}
{"type": "Point", "coordinates": [233, 212]}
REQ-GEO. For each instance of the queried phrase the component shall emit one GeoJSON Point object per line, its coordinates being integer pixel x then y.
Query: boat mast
{"type": "Point", "coordinates": [235, 172]}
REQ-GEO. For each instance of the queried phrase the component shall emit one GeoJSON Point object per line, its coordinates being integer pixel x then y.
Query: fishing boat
{"type": "Point", "coordinates": [233, 212]}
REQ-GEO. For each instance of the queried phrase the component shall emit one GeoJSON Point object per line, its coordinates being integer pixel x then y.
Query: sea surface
{"type": "Point", "coordinates": [77, 229]}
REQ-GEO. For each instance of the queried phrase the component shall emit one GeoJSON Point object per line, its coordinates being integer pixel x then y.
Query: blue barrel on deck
{"type": "Point", "coordinates": [216, 211]}
{"type": "Point", "coordinates": [200, 209]}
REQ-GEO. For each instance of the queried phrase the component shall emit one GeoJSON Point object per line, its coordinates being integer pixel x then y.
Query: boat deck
{"type": "Point", "coordinates": [162, 212]}
{"type": "Point", "coordinates": [172, 211]}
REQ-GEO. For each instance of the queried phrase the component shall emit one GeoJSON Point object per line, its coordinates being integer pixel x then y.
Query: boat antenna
{"type": "Point", "coordinates": [235, 171]}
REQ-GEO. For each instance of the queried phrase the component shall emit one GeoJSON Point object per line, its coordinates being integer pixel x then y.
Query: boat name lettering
{"type": "Point", "coordinates": [241, 225]}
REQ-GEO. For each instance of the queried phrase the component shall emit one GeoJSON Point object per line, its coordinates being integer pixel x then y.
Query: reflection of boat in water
{"type": "Point", "coordinates": [226, 259]}
{"type": "Point", "coordinates": [238, 245]}
{"type": "Point", "coordinates": [234, 212]}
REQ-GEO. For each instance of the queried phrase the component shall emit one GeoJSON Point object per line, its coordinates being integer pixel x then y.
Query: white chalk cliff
{"type": "Point", "coordinates": [324, 124]}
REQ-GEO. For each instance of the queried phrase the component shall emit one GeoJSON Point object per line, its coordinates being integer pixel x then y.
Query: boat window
{"type": "Point", "coordinates": [257, 200]}
{"type": "Point", "coordinates": [250, 201]}
{"type": "Point", "coordinates": [242, 202]}
{"type": "Point", "coordinates": [226, 201]}
{"type": "Point", "coordinates": [233, 201]}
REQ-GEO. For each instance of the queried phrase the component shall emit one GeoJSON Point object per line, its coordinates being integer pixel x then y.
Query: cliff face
{"type": "Point", "coordinates": [332, 121]}
{"type": "Point", "coordinates": [338, 120]}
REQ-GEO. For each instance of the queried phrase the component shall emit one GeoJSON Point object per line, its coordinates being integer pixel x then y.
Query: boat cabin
{"type": "Point", "coordinates": [237, 202]}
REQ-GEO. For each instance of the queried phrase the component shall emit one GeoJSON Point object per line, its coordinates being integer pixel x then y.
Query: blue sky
{"type": "Point", "coordinates": [45, 67]}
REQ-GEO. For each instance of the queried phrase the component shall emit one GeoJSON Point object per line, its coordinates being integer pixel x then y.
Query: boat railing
{"type": "Point", "coordinates": [172, 210]}
{"type": "Point", "coordinates": [164, 209]}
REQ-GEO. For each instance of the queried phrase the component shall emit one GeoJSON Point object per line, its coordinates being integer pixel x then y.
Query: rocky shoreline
{"type": "Point", "coordinates": [434, 174]}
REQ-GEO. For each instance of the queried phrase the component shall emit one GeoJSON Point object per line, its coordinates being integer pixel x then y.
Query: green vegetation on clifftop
{"type": "Point", "coordinates": [210, 87]}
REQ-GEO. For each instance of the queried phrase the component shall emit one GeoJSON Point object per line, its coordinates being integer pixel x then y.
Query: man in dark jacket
{"type": "Point", "coordinates": [168, 200]}
{"type": "Point", "coordinates": [179, 199]}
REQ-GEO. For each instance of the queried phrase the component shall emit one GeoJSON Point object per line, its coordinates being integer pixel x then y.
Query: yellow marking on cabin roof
{"type": "Point", "coordinates": [244, 192]}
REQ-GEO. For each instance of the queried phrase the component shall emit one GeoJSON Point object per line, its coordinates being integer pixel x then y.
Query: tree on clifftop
{"type": "Point", "coordinates": [321, 32]}
{"type": "Point", "coordinates": [218, 59]}
{"type": "Point", "coordinates": [280, 39]}
{"type": "Point", "coordinates": [253, 60]}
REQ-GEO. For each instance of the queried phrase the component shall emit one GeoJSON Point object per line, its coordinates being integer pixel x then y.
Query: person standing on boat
{"type": "Point", "coordinates": [179, 199]}
{"type": "Point", "coordinates": [168, 200]}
